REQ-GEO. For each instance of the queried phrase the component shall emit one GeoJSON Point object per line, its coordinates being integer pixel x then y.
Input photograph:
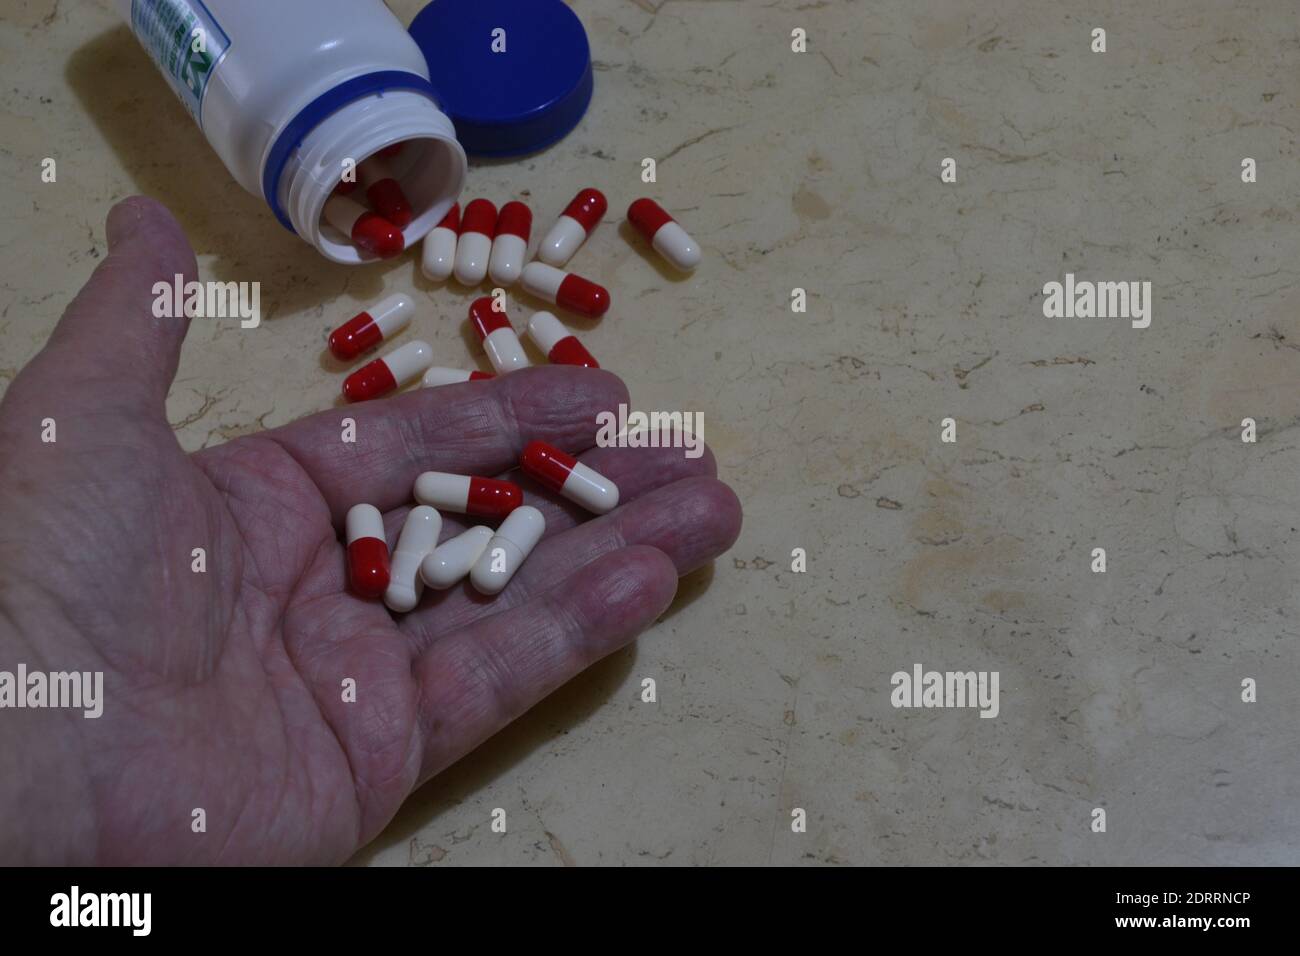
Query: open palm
{"type": "Point", "coordinates": [224, 690]}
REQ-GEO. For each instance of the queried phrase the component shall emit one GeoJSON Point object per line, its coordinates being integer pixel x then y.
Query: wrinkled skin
{"type": "Point", "coordinates": [223, 690]}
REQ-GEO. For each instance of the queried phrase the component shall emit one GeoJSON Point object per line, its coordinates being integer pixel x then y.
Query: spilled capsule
{"type": "Point", "coordinates": [388, 373]}
{"type": "Point", "coordinates": [366, 330]}
{"type": "Point", "coordinates": [663, 233]}
{"type": "Point", "coordinates": [438, 256]}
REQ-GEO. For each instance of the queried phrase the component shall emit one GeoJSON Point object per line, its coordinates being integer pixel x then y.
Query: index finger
{"type": "Point", "coordinates": [474, 428]}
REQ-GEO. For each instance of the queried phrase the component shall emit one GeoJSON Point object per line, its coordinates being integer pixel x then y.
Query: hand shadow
{"type": "Point", "coordinates": [166, 156]}
{"type": "Point", "coordinates": [553, 717]}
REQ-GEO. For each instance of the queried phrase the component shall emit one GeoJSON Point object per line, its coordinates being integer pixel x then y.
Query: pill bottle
{"type": "Point", "coordinates": [288, 91]}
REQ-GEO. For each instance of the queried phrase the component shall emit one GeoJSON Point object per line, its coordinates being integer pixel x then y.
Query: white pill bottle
{"type": "Point", "coordinates": [289, 92]}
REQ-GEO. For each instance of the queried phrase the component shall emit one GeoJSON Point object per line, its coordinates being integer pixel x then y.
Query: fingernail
{"type": "Point", "coordinates": [123, 221]}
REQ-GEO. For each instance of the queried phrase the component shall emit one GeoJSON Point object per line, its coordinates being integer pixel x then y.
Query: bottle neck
{"type": "Point", "coordinates": [430, 166]}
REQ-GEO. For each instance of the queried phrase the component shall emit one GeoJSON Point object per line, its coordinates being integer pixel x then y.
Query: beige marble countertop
{"type": "Point", "coordinates": [821, 170]}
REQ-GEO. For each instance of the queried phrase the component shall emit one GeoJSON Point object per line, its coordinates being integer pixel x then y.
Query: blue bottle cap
{"type": "Point", "coordinates": [516, 101]}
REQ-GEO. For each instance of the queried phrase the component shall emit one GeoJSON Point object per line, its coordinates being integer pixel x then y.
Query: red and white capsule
{"type": "Point", "coordinates": [474, 246]}
{"type": "Point", "coordinates": [389, 373]}
{"type": "Point", "coordinates": [507, 550]}
{"type": "Point", "coordinates": [384, 192]}
{"type": "Point", "coordinates": [468, 494]}
{"type": "Point", "coordinates": [366, 330]}
{"type": "Point", "coordinates": [418, 539]}
{"type": "Point", "coordinates": [368, 567]}
{"type": "Point", "coordinates": [453, 559]}
{"type": "Point", "coordinates": [441, 375]}
{"type": "Point", "coordinates": [569, 477]}
{"type": "Point", "coordinates": [438, 258]}
{"type": "Point", "coordinates": [497, 335]}
{"type": "Point", "coordinates": [668, 238]}
{"type": "Point", "coordinates": [510, 243]}
{"type": "Point", "coordinates": [369, 231]}
{"type": "Point", "coordinates": [560, 346]}
{"type": "Point", "coordinates": [572, 228]}
{"type": "Point", "coordinates": [566, 290]}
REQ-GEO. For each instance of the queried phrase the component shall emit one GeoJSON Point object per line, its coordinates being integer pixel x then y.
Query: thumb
{"type": "Point", "coordinates": [109, 346]}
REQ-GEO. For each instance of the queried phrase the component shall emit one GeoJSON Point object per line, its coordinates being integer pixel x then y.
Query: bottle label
{"type": "Point", "coordinates": [185, 41]}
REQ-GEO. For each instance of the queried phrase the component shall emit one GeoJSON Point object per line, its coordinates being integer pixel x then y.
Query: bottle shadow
{"type": "Point", "coordinates": [165, 155]}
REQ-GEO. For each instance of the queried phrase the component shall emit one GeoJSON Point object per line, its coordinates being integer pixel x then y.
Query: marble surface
{"type": "Point", "coordinates": [820, 170]}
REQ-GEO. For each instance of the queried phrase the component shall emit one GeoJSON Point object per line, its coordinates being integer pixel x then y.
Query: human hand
{"type": "Point", "coordinates": [223, 689]}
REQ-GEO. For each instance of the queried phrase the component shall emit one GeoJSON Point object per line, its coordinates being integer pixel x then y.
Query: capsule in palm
{"type": "Point", "coordinates": [418, 538]}
{"type": "Point", "coordinates": [453, 559]}
{"type": "Point", "coordinates": [565, 475]}
{"type": "Point", "coordinates": [368, 565]}
{"type": "Point", "coordinates": [468, 494]}
{"type": "Point", "coordinates": [507, 550]}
